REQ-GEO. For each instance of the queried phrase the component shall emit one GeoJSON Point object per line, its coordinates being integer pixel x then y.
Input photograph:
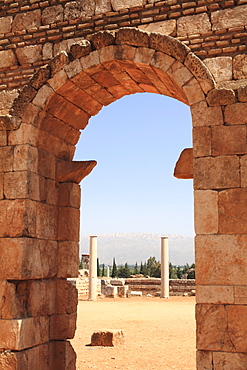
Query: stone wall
{"type": "Point", "coordinates": [33, 32]}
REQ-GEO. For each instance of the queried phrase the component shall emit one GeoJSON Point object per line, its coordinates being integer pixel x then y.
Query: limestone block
{"type": "Point", "coordinates": [64, 45]}
{"type": "Point", "coordinates": [40, 77]}
{"type": "Point", "coordinates": [55, 127]}
{"type": "Point", "coordinates": [52, 14]}
{"type": "Point", "coordinates": [7, 156]}
{"type": "Point", "coordinates": [21, 103]}
{"type": "Point", "coordinates": [193, 24]}
{"type": "Point", "coordinates": [216, 172]}
{"type": "Point", "coordinates": [80, 49]}
{"type": "Point", "coordinates": [206, 211]}
{"type": "Point", "coordinates": [240, 294]}
{"type": "Point", "coordinates": [193, 91]}
{"type": "Point", "coordinates": [201, 141]}
{"type": "Point", "coordinates": [43, 95]}
{"type": "Point", "coordinates": [67, 297]}
{"type": "Point", "coordinates": [107, 338]}
{"type": "Point", "coordinates": [17, 218]}
{"type": "Point", "coordinates": [102, 39]}
{"type": "Point", "coordinates": [229, 360]}
{"type": "Point", "coordinates": [184, 165]}
{"type": "Point", "coordinates": [124, 4]}
{"type": "Point", "coordinates": [220, 67]}
{"type": "Point", "coordinates": [232, 211]}
{"type": "Point", "coordinates": [5, 24]}
{"type": "Point", "coordinates": [1, 185]}
{"type": "Point", "coordinates": [90, 60]}
{"type": "Point", "coordinates": [229, 140]}
{"type": "Point", "coordinates": [165, 27]}
{"type": "Point", "coordinates": [143, 55]}
{"type": "Point", "coordinates": [41, 261]}
{"type": "Point", "coordinates": [102, 6]}
{"type": "Point", "coordinates": [24, 333]}
{"type": "Point", "coordinates": [46, 164]}
{"type": "Point", "coordinates": [3, 138]}
{"type": "Point", "coordinates": [229, 18]}
{"type": "Point", "coordinates": [24, 21]}
{"type": "Point", "coordinates": [29, 54]}
{"type": "Point", "coordinates": [73, 68]}
{"type": "Point", "coordinates": [243, 169]}
{"type": "Point", "coordinates": [69, 224]}
{"type": "Point", "coordinates": [69, 195]}
{"type": "Point", "coordinates": [221, 259]}
{"type": "Point", "coordinates": [221, 97]}
{"type": "Point", "coordinates": [7, 59]}
{"type": "Point", "coordinates": [162, 61]}
{"type": "Point", "coordinates": [132, 36]}
{"type": "Point", "coordinates": [169, 46]}
{"type": "Point", "coordinates": [62, 326]}
{"type": "Point", "coordinates": [216, 294]}
{"type": "Point", "coordinates": [62, 355]}
{"type": "Point", "coordinates": [9, 360]}
{"type": "Point", "coordinates": [79, 9]}
{"type": "Point", "coordinates": [204, 360]}
{"type": "Point", "coordinates": [47, 51]}
{"type": "Point", "coordinates": [46, 221]}
{"type": "Point", "coordinates": [242, 94]}
{"type": "Point", "coordinates": [125, 52]}
{"type": "Point", "coordinates": [230, 333]}
{"type": "Point", "coordinates": [235, 114]}
{"type": "Point", "coordinates": [51, 192]}
{"type": "Point", "coordinates": [110, 291]}
{"type": "Point", "coordinates": [240, 66]}
{"type": "Point", "coordinates": [6, 100]}
{"type": "Point", "coordinates": [179, 73]}
{"type": "Point", "coordinates": [21, 185]}
{"type": "Point", "coordinates": [58, 62]}
{"type": "Point", "coordinates": [67, 259]}
{"type": "Point", "coordinates": [58, 80]}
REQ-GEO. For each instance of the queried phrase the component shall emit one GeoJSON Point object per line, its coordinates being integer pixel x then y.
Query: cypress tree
{"type": "Point", "coordinates": [103, 270]}
{"type": "Point", "coordinates": [114, 269]}
{"type": "Point", "coordinates": [98, 268]}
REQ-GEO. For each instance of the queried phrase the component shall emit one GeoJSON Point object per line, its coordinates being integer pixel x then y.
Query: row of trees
{"type": "Point", "coordinates": [151, 268]}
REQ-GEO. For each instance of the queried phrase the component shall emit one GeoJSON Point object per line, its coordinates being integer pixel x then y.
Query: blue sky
{"type": "Point", "coordinates": [136, 142]}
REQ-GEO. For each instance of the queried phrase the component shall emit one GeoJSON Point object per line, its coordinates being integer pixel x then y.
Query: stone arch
{"type": "Point", "coordinates": [41, 180]}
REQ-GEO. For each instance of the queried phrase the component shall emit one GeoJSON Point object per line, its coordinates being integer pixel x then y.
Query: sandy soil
{"type": "Point", "coordinates": [159, 333]}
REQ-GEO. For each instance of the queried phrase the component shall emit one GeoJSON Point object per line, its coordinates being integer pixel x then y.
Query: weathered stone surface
{"type": "Point", "coordinates": [243, 168]}
{"type": "Point", "coordinates": [184, 165]}
{"type": "Point", "coordinates": [62, 355]}
{"type": "Point", "coordinates": [29, 54]}
{"type": "Point", "coordinates": [21, 185]}
{"type": "Point", "coordinates": [193, 25]}
{"type": "Point", "coordinates": [242, 94]}
{"type": "Point", "coordinates": [218, 294]}
{"type": "Point", "coordinates": [229, 18]}
{"type": "Point", "coordinates": [67, 259]}
{"type": "Point", "coordinates": [73, 68]}
{"type": "Point", "coordinates": [236, 114]}
{"type": "Point", "coordinates": [9, 122]}
{"type": "Point", "coordinates": [240, 294]}
{"type": "Point", "coordinates": [47, 51]}
{"type": "Point", "coordinates": [221, 259]}
{"type": "Point", "coordinates": [201, 141]}
{"type": "Point", "coordinates": [179, 73]}
{"type": "Point", "coordinates": [220, 67]}
{"type": "Point", "coordinates": [221, 97]}
{"type": "Point", "coordinates": [240, 66]}
{"type": "Point", "coordinates": [58, 62]}
{"type": "Point", "coordinates": [233, 220]}
{"type": "Point", "coordinates": [69, 195]}
{"type": "Point", "coordinates": [107, 338]}
{"type": "Point", "coordinates": [79, 9]}
{"type": "Point", "coordinates": [230, 332]}
{"type": "Point", "coordinates": [46, 221]}
{"type": "Point", "coordinates": [123, 4]}
{"type": "Point", "coordinates": [7, 59]}
{"type": "Point", "coordinates": [165, 27]}
{"type": "Point", "coordinates": [42, 96]}
{"type": "Point", "coordinates": [216, 172]}
{"type": "Point", "coordinates": [204, 360]}
{"type": "Point", "coordinates": [24, 98]}
{"type": "Point", "coordinates": [64, 45]}
{"type": "Point", "coordinates": [6, 100]}
{"type": "Point", "coordinates": [62, 326]}
{"type": "Point", "coordinates": [229, 140]}
{"type": "Point", "coordinates": [66, 298]}
{"type": "Point", "coordinates": [102, 6]}
{"type": "Point", "coordinates": [193, 92]}
{"type": "Point", "coordinates": [162, 61]}
{"type": "Point", "coordinates": [59, 79]}
{"type": "Point", "coordinates": [24, 21]}
{"type": "Point", "coordinates": [9, 360]}
{"type": "Point", "coordinates": [40, 77]}
{"type": "Point", "coordinates": [90, 61]}
{"type": "Point", "coordinates": [200, 71]}
{"type": "Point", "coordinates": [6, 154]}
{"type": "Point", "coordinates": [5, 24]}
{"type": "Point", "coordinates": [206, 211]}
{"type": "Point", "coordinates": [224, 360]}
{"type": "Point", "coordinates": [68, 224]}
{"type": "Point", "coordinates": [169, 45]}
{"type": "Point", "coordinates": [132, 36]}
{"type": "Point", "coordinates": [52, 14]}
{"type": "Point", "coordinates": [24, 333]}
{"type": "Point", "coordinates": [80, 49]}
{"type": "Point", "coordinates": [73, 171]}
{"type": "Point", "coordinates": [102, 39]}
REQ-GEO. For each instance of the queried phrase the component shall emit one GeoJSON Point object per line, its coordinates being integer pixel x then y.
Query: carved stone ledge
{"type": "Point", "coordinates": [73, 171]}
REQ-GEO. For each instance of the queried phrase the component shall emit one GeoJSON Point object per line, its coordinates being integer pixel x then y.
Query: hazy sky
{"type": "Point", "coordinates": [136, 142]}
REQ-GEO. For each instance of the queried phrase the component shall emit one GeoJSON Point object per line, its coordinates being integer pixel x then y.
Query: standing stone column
{"type": "Point", "coordinates": [93, 269]}
{"type": "Point", "coordinates": [107, 271]}
{"type": "Point", "coordinates": [164, 268]}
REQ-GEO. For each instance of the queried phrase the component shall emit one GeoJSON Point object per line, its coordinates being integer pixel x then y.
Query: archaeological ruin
{"type": "Point", "coordinates": [60, 62]}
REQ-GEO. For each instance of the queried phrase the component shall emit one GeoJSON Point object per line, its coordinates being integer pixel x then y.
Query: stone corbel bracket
{"type": "Point", "coordinates": [184, 165]}
{"type": "Point", "coordinates": [9, 123]}
{"type": "Point", "coordinates": [73, 171]}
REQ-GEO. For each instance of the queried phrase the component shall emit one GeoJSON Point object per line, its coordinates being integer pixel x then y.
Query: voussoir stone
{"type": "Point", "coordinates": [58, 62]}
{"type": "Point", "coordinates": [20, 103]}
{"type": "Point", "coordinates": [221, 97]}
{"type": "Point", "coordinates": [169, 45]}
{"type": "Point", "coordinates": [24, 21]}
{"type": "Point", "coordinates": [40, 77]}
{"type": "Point", "coordinates": [102, 38]}
{"type": "Point", "coordinates": [80, 49]}
{"type": "Point", "coordinates": [132, 36]}
{"type": "Point", "coordinates": [52, 14]}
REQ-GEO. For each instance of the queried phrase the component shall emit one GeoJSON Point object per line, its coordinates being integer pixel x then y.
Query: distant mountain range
{"type": "Point", "coordinates": [138, 247]}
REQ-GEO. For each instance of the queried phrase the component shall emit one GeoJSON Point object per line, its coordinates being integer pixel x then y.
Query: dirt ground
{"type": "Point", "coordinates": [159, 333]}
